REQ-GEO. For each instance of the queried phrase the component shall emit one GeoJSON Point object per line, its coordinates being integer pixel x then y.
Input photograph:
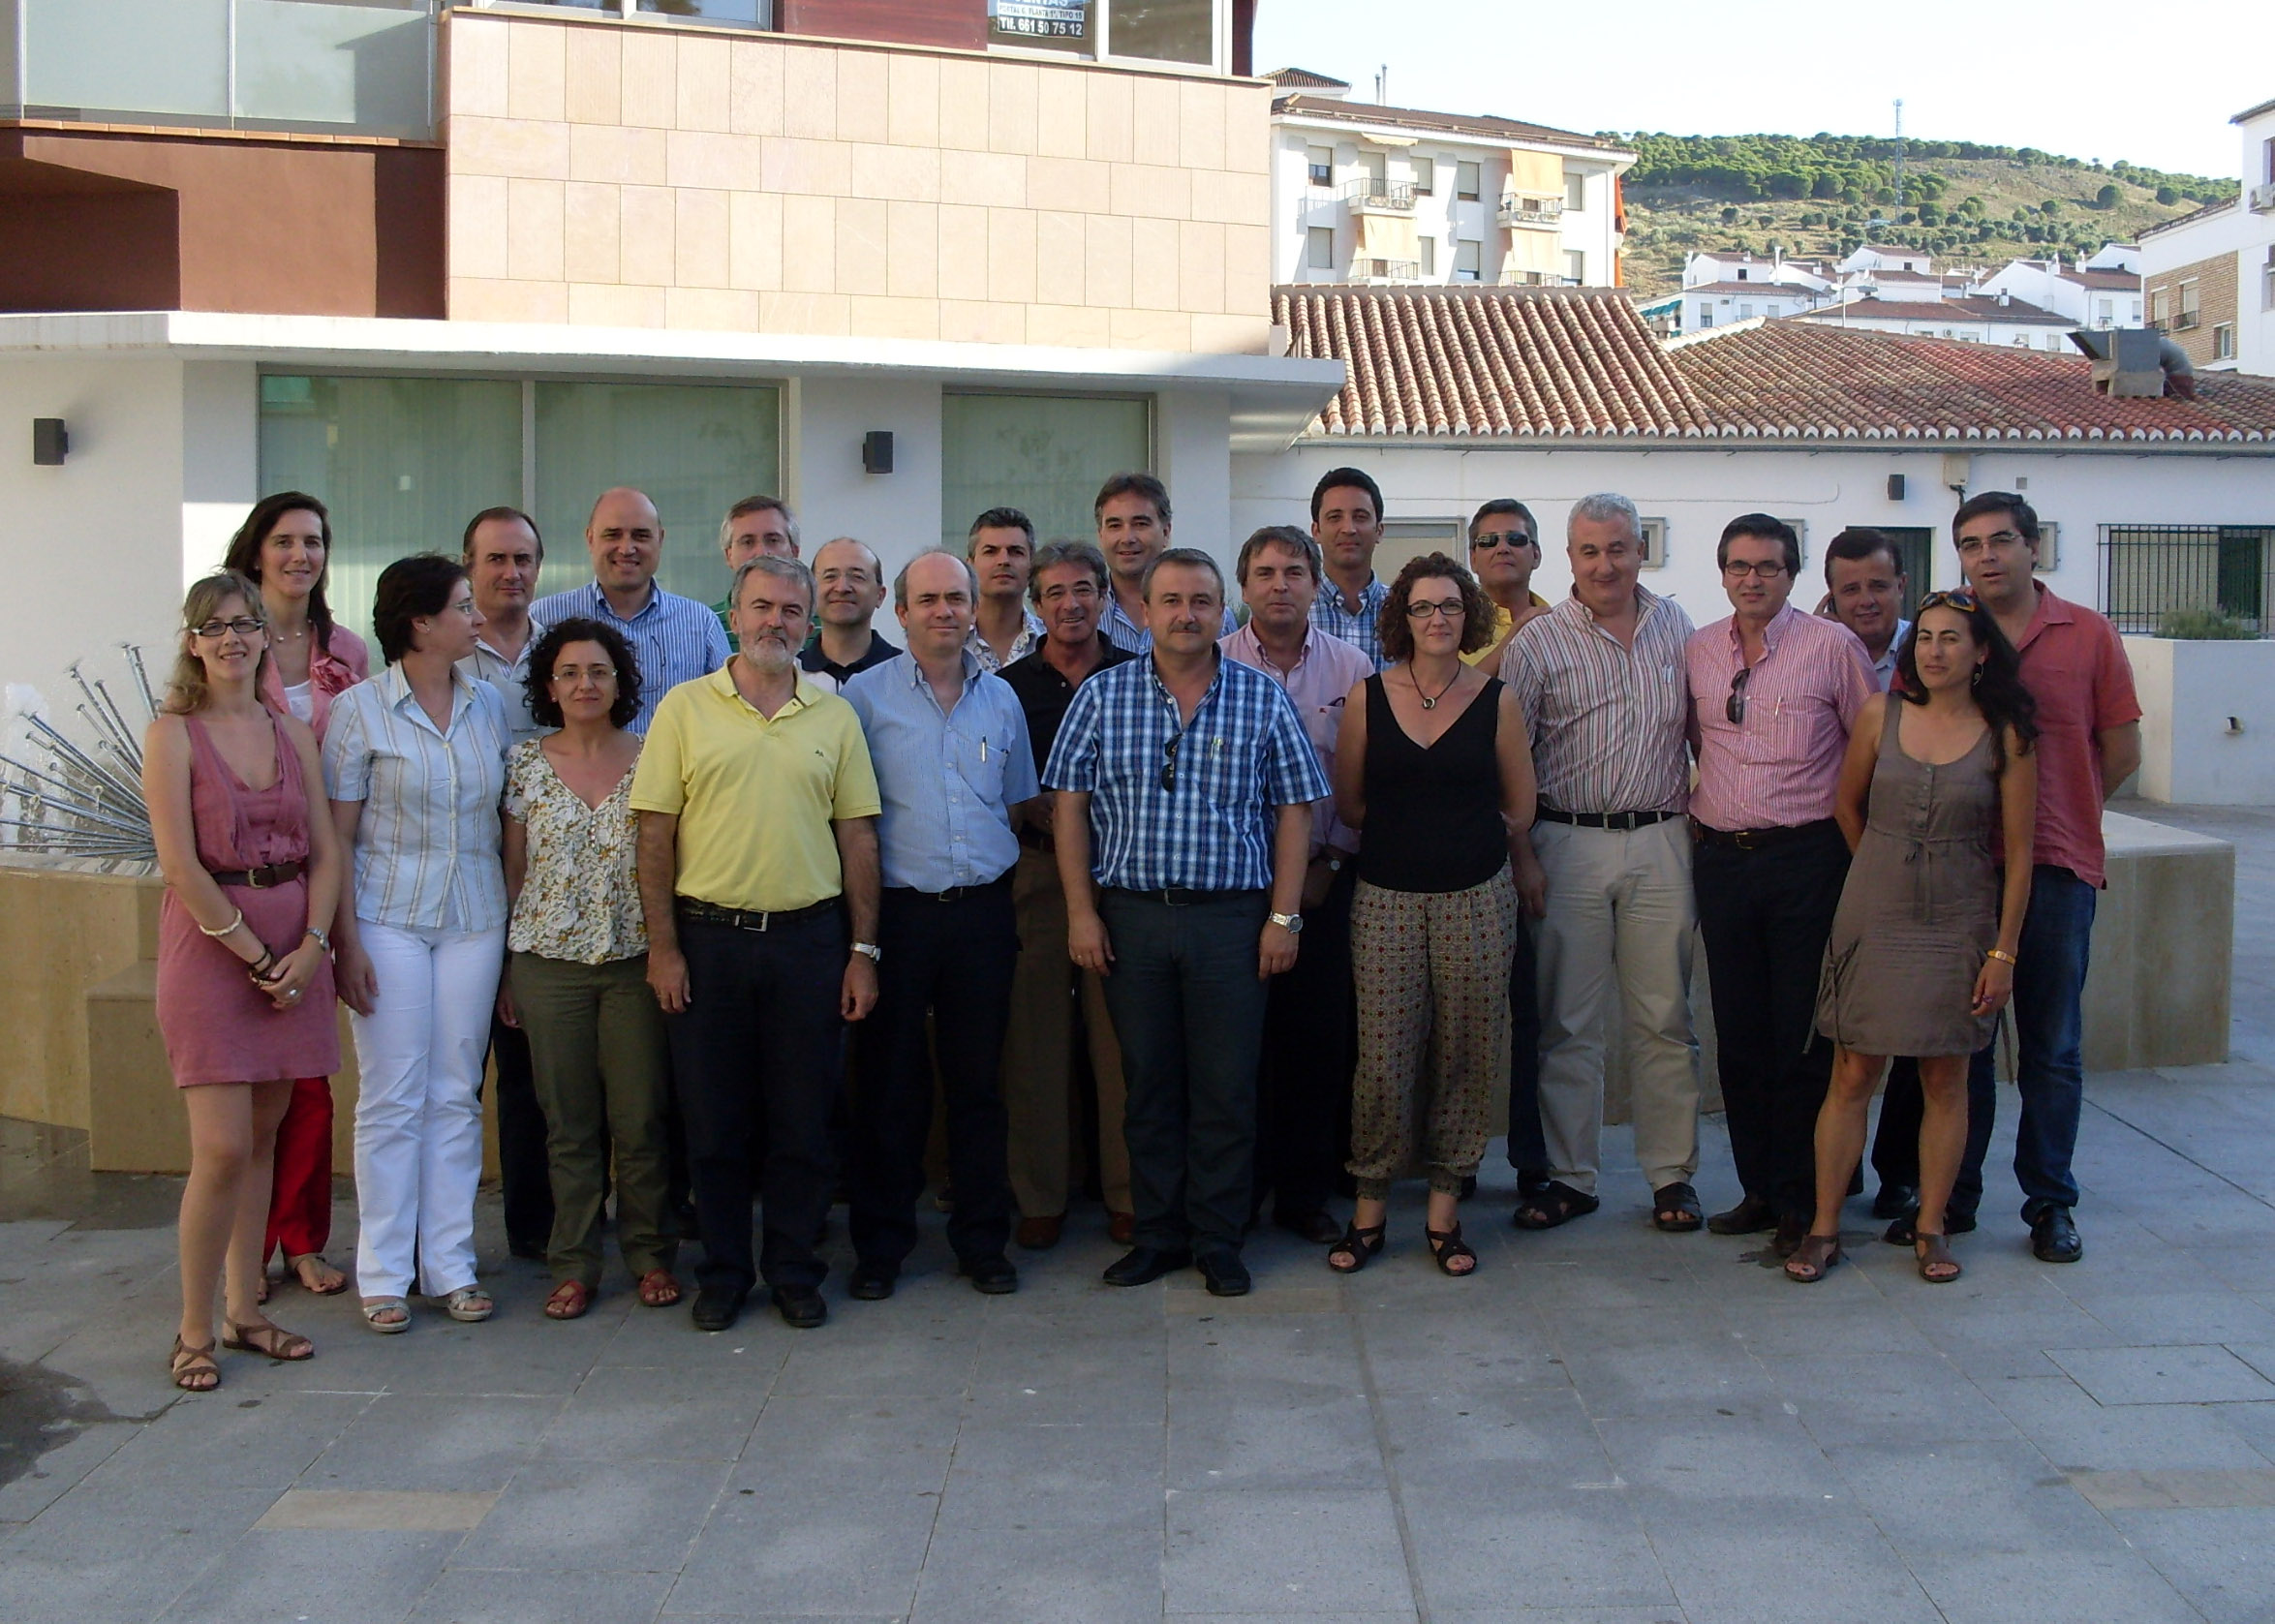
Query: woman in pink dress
{"type": "Point", "coordinates": [244, 969]}
{"type": "Point", "coordinates": [283, 547]}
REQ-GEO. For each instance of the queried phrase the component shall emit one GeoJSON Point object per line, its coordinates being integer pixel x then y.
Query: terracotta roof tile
{"type": "Point", "coordinates": [1579, 363]}
{"type": "Point", "coordinates": [1974, 307]}
{"type": "Point", "coordinates": [1304, 79]}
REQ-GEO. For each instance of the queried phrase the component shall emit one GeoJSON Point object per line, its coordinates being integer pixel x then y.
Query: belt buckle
{"type": "Point", "coordinates": [764, 920]}
{"type": "Point", "coordinates": [253, 880]}
{"type": "Point", "coordinates": [1743, 839]}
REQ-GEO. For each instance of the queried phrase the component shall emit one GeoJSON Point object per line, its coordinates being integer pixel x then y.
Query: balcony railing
{"type": "Point", "coordinates": [1386, 270]}
{"type": "Point", "coordinates": [1366, 193]}
{"type": "Point", "coordinates": [1518, 209]}
{"type": "Point", "coordinates": [342, 67]}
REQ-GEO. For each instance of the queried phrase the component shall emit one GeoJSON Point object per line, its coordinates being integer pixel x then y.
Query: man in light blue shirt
{"type": "Point", "coordinates": [949, 744]}
{"type": "Point", "coordinates": [675, 639]}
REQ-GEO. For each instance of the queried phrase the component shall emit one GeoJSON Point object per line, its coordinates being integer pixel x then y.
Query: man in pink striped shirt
{"type": "Point", "coordinates": [1773, 693]}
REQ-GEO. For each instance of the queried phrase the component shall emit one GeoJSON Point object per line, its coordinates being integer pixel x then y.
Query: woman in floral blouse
{"type": "Point", "coordinates": [577, 981]}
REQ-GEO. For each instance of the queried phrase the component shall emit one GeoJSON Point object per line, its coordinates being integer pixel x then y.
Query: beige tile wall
{"type": "Point", "coordinates": [651, 176]}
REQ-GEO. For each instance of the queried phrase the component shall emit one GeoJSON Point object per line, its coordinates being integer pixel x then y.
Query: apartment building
{"type": "Point", "coordinates": [897, 262]}
{"type": "Point", "coordinates": [2102, 292]}
{"type": "Point", "coordinates": [1368, 194]}
{"type": "Point", "coordinates": [2210, 275]}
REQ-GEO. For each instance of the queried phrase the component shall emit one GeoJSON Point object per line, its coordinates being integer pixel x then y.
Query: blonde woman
{"type": "Point", "coordinates": [244, 977]}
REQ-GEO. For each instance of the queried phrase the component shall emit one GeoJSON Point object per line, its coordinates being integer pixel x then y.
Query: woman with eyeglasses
{"type": "Point", "coordinates": [1433, 768]}
{"type": "Point", "coordinates": [283, 547]}
{"type": "Point", "coordinates": [578, 976]}
{"type": "Point", "coordinates": [1922, 952]}
{"type": "Point", "coordinates": [415, 760]}
{"type": "Point", "coordinates": [244, 982]}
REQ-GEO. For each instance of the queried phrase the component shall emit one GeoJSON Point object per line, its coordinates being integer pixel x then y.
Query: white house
{"type": "Point", "coordinates": [1969, 317]}
{"type": "Point", "coordinates": [2099, 292]}
{"type": "Point", "coordinates": [2210, 275]}
{"type": "Point", "coordinates": [1567, 392]}
{"type": "Point", "coordinates": [1362, 192]}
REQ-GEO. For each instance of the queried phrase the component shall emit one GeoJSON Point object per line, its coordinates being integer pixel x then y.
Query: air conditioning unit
{"type": "Point", "coordinates": [2263, 198]}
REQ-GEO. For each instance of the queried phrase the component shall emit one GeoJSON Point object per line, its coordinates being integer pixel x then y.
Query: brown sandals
{"type": "Point", "coordinates": [1937, 1266]}
{"type": "Point", "coordinates": [1813, 1259]}
{"type": "Point", "coordinates": [270, 1341]}
{"type": "Point", "coordinates": [194, 1369]}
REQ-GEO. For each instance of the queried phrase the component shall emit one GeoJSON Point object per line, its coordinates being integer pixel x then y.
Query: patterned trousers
{"type": "Point", "coordinates": [1432, 976]}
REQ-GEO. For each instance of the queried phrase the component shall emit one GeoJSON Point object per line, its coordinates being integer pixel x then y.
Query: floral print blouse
{"type": "Point", "coordinates": [580, 900]}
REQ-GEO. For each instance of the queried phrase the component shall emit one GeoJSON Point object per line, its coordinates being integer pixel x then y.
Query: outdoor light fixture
{"type": "Point", "coordinates": [50, 441]}
{"type": "Point", "coordinates": [1895, 487]}
{"type": "Point", "coordinates": [876, 451]}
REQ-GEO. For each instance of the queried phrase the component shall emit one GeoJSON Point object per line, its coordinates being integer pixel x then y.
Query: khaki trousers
{"type": "Point", "coordinates": [1620, 912]}
{"type": "Point", "coordinates": [1038, 1053]}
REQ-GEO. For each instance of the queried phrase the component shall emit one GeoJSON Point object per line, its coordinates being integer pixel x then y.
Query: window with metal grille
{"type": "Point", "coordinates": [2151, 571]}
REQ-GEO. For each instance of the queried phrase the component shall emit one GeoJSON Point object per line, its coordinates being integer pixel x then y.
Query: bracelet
{"type": "Point", "coordinates": [2003, 956]}
{"type": "Point", "coordinates": [225, 929]}
{"type": "Point", "coordinates": [321, 940]}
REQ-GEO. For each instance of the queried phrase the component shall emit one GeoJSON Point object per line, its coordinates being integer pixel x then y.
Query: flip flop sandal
{"type": "Point", "coordinates": [659, 1289]}
{"type": "Point", "coordinates": [193, 1370]}
{"type": "Point", "coordinates": [375, 1306]}
{"type": "Point", "coordinates": [1681, 1200]}
{"type": "Point", "coordinates": [270, 1341]}
{"type": "Point", "coordinates": [1362, 1244]}
{"type": "Point", "coordinates": [1447, 1247]}
{"type": "Point", "coordinates": [1813, 1259]}
{"type": "Point", "coordinates": [1559, 1203]}
{"type": "Point", "coordinates": [571, 1299]}
{"type": "Point", "coordinates": [469, 1304]}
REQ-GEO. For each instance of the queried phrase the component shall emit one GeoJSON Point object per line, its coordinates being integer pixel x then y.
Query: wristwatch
{"type": "Point", "coordinates": [1291, 923]}
{"type": "Point", "coordinates": [870, 951]}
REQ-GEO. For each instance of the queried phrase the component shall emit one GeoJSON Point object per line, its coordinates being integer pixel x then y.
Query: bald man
{"type": "Point", "coordinates": [675, 639]}
{"type": "Point", "coordinates": [851, 584]}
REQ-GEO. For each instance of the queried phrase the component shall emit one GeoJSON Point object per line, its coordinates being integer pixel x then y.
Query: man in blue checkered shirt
{"type": "Point", "coordinates": [1191, 779]}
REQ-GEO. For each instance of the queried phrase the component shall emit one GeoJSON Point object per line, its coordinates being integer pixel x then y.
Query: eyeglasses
{"type": "Point", "coordinates": [1769, 569]}
{"type": "Point", "coordinates": [1492, 539]}
{"type": "Point", "coordinates": [1996, 538]}
{"type": "Point", "coordinates": [1735, 706]}
{"type": "Point", "coordinates": [588, 673]}
{"type": "Point", "coordinates": [244, 626]}
{"type": "Point", "coordinates": [1451, 608]}
{"type": "Point", "coordinates": [1169, 764]}
{"type": "Point", "coordinates": [1958, 598]}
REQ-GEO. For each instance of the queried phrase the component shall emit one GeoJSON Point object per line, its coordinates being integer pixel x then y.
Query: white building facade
{"type": "Point", "coordinates": [2211, 275]}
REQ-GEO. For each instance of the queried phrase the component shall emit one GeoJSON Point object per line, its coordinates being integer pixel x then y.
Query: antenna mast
{"type": "Point", "coordinates": [1899, 146]}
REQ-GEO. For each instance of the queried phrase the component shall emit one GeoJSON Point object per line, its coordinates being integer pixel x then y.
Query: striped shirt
{"type": "Point", "coordinates": [1361, 627]}
{"type": "Point", "coordinates": [1030, 634]}
{"type": "Point", "coordinates": [948, 781]}
{"type": "Point", "coordinates": [1131, 638]}
{"type": "Point", "coordinates": [1209, 829]}
{"type": "Point", "coordinates": [1607, 720]}
{"type": "Point", "coordinates": [1325, 673]}
{"type": "Point", "coordinates": [426, 844]}
{"type": "Point", "coordinates": [511, 678]}
{"type": "Point", "coordinates": [1775, 767]}
{"type": "Point", "coordinates": [675, 639]}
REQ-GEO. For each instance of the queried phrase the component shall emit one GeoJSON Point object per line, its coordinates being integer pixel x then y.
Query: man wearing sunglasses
{"type": "Point", "coordinates": [1505, 550]}
{"type": "Point", "coordinates": [2088, 744]}
{"type": "Point", "coordinates": [1191, 780]}
{"type": "Point", "coordinates": [1774, 694]}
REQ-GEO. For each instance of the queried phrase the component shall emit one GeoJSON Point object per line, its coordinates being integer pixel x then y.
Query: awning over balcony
{"type": "Point", "coordinates": [1386, 236]}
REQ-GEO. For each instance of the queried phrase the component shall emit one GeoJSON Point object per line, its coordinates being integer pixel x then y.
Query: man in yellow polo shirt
{"type": "Point", "coordinates": [758, 878]}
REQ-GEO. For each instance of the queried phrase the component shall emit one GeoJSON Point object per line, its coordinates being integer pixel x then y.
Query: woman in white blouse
{"type": "Point", "coordinates": [578, 982]}
{"type": "Point", "coordinates": [415, 760]}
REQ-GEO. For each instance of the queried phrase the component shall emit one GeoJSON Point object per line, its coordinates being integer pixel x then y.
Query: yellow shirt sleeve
{"type": "Point", "coordinates": [854, 792]}
{"type": "Point", "coordinates": [659, 784]}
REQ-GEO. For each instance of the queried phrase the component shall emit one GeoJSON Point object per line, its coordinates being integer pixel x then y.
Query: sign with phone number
{"type": "Point", "coordinates": [1044, 19]}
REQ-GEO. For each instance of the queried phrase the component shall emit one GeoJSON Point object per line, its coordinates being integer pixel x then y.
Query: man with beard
{"type": "Point", "coordinates": [758, 878]}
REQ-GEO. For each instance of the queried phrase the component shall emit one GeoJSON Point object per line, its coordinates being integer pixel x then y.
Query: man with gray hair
{"type": "Point", "coordinates": [1606, 702]}
{"type": "Point", "coordinates": [757, 524]}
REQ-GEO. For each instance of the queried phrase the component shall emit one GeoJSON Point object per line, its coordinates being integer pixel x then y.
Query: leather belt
{"type": "Point", "coordinates": [953, 894]}
{"type": "Point", "coordinates": [1622, 821]}
{"type": "Point", "coordinates": [267, 878]}
{"type": "Point", "coordinates": [1754, 839]}
{"type": "Point", "coordinates": [1181, 896]}
{"type": "Point", "coordinates": [744, 919]}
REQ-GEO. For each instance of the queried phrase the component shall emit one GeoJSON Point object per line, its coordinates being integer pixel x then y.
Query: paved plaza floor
{"type": "Point", "coordinates": [1607, 1424]}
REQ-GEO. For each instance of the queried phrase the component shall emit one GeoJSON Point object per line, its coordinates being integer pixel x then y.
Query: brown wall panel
{"type": "Point", "coordinates": [958, 23]}
{"type": "Point", "coordinates": [89, 250]}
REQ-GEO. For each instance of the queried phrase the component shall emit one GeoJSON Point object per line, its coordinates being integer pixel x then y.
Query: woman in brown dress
{"type": "Point", "coordinates": [1922, 956]}
{"type": "Point", "coordinates": [244, 973]}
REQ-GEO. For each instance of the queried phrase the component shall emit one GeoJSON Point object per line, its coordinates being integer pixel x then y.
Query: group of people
{"type": "Point", "coordinates": [1213, 909]}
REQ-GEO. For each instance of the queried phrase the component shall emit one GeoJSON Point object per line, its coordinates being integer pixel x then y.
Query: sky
{"type": "Point", "coordinates": [2082, 79]}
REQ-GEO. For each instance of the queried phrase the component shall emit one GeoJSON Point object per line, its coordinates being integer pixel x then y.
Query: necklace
{"type": "Point", "coordinates": [1429, 700]}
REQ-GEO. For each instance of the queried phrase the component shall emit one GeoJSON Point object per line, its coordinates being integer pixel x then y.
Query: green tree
{"type": "Point", "coordinates": [2108, 196]}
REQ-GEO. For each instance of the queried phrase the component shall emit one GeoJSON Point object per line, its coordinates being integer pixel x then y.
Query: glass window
{"type": "Point", "coordinates": [150, 56]}
{"type": "Point", "coordinates": [1320, 164]}
{"type": "Point", "coordinates": [1576, 189]}
{"type": "Point", "coordinates": [1466, 182]}
{"type": "Point", "coordinates": [1045, 455]}
{"type": "Point", "coordinates": [1319, 248]}
{"type": "Point", "coordinates": [1576, 268]}
{"type": "Point", "coordinates": [695, 449]}
{"type": "Point", "coordinates": [1163, 30]}
{"type": "Point", "coordinates": [743, 14]}
{"type": "Point", "coordinates": [1048, 24]}
{"type": "Point", "coordinates": [1424, 176]}
{"type": "Point", "coordinates": [1468, 261]}
{"type": "Point", "coordinates": [402, 463]}
{"type": "Point", "coordinates": [2224, 342]}
{"type": "Point", "coordinates": [1745, 312]}
{"type": "Point", "coordinates": [362, 63]}
{"type": "Point", "coordinates": [1427, 247]}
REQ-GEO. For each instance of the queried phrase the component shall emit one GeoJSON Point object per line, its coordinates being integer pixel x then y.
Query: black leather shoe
{"type": "Point", "coordinates": [1314, 1226]}
{"type": "Point", "coordinates": [1143, 1265]}
{"type": "Point", "coordinates": [1895, 1200]}
{"type": "Point", "coordinates": [873, 1282]}
{"type": "Point", "coordinates": [717, 1308]}
{"type": "Point", "coordinates": [1900, 1233]}
{"type": "Point", "coordinates": [1750, 1216]}
{"type": "Point", "coordinates": [2054, 1238]}
{"type": "Point", "coordinates": [1223, 1274]}
{"type": "Point", "coordinates": [801, 1307]}
{"type": "Point", "coordinates": [991, 1277]}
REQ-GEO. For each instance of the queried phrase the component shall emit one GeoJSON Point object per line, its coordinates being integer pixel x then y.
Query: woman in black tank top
{"type": "Point", "coordinates": [1432, 766]}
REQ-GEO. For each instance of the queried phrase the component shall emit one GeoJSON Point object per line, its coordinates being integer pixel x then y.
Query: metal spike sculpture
{"type": "Point", "coordinates": [82, 801]}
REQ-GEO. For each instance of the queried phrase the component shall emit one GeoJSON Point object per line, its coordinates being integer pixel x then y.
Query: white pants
{"type": "Point", "coordinates": [418, 1115]}
{"type": "Point", "coordinates": [1620, 906]}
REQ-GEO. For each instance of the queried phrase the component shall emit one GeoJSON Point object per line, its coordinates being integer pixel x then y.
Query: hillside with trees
{"type": "Point", "coordinates": [1820, 195]}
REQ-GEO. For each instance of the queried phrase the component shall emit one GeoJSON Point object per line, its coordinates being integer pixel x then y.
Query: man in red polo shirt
{"type": "Point", "coordinates": [2088, 744]}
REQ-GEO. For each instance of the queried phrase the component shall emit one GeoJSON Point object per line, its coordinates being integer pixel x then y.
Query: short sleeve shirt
{"type": "Point", "coordinates": [675, 639]}
{"type": "Point", "coordinates": [2074, 665]}
{"type": "Point", "coordinates": [755, 796]}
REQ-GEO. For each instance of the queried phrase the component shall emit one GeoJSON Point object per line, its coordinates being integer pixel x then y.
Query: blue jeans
{"type": "Point", "coordinates": [2050, 1025]}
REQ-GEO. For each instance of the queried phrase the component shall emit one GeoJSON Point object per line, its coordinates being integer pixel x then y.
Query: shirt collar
{"type": "Point", "coordinates": [1771, 633]}
{"type": "Point", "coordinates": [972, 668]}
{"type": "Point", "coordinates": [722, 682]}
{"type": "Point", "coordinates": [1216, 677]}
{"type": "Point", "coordinates": [396, 686]}
{"type": "Point", "coordinates": [1645, 600]}
{"type": "Point", "coordinates": [601, 603]}
{"type": "Point", "coordinates": [1245, 641]}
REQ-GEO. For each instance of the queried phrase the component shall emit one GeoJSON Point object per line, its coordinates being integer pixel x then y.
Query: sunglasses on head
{"type": "Point", "coordinates": [1957, 598]}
